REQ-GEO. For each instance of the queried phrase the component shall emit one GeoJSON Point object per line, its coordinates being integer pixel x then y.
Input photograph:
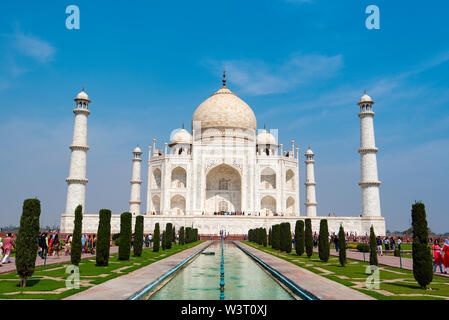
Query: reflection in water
{"type": "Point", "coordinates": [244, 279]}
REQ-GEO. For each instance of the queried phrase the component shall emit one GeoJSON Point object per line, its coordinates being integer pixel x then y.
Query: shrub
{"type": "Point", "coordinates": [156, 238]}
{"type": "Point", "coordinates": [373, 247]}
{"type": "Point", "coordinates": [125, 236]}
{"type": "Point", "coordinates": [75, 253]}
{"type": "Point", "coordinates": [396, 252]}
{"type": "Point", "coordinates": [26, 244]}
{"type": "Point", "coordinates": [138, 236]}
{"type": "Point", "coordinates": [363, 247]}
{"type": "Point", "coordinates": [422, 259]}
{"type": "Point", "coordinates": [115, 236]}
{"type": "Point", "coordinates": [342, 245]}
{"type": "Point", "coordinates": [308, 235]}
{"type": "Point", "coordinates": [103, 238]}
{"type": "Point", "coordinates": [169, 236]}
{"type": "Point", "coordinates": [323, 241]}
{"type": "Point", "coordinates": [181, 236]}
{"type": "Point", "coordinates": [299, 237]}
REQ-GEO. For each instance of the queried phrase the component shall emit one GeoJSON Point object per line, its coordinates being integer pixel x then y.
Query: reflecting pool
{"type": "Point", "coordinates": [244, 279]}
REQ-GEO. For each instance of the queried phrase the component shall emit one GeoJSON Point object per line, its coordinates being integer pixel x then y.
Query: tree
{"type": "Point", "coordinates": [75, 254]}
{"type": "Point", "coordinates": [269, 237]}
{"type": "Point", "coordinates": [422, 258]}
{"type": "Point", "coordinates": [103, 238]}
{"type": "Point", "coordinates": [342, 245]}
{"type": "Point", "coordinates": [174, 235]}
{"type": "Point", "coordinates": [138, 236]}
{"type": "Point", "coordinates": [323, 241]}
{"type": "Point", "coordinates": [288, 237]}
{"type": "Point", "coordinates": [276, 237]}
{"type": "Point", "coordinates": [372, 247]}
{"type": "Point", "coordinates": [299, 237]}
{"type": "Point", "coordinates": [26, 244]}
{"type": "Point", "coordinates": [169, 236]}
{"type": "Point", "coordinates": [164, 240]}
{"type": "Point", "coordinates": [264, 237]}
{"type": "Point", "coordinates": [282, 238]}
{"type": "Point", "coordinates": [125, 236]}
{"type": "Point", "coordinates": [156, 238]}
{"type": "Point", "coordinates": [181, 235]}
{"type": "Point", "coordinates": [147, 241]}
{"type": "Point", "coordinates": [308, 238]}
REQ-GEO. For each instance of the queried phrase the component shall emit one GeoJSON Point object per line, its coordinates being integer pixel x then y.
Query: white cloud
{"type": "Point", "coordinates": [33, 47]}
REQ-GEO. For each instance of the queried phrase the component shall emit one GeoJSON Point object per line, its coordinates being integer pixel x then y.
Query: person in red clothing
{"type": "Point", "coordinates": [445, 250]}
{"type": "Point", "coordinates": [8, 244]}
{"type": "Point", "coordinates": [437, 257]}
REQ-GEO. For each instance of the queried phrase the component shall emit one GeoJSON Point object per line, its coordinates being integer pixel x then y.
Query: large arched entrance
{"type": "Point", "coordinates": [223, 189]}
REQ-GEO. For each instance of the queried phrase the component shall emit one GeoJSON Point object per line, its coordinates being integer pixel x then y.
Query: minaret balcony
{"type": "Point", "coordinates": [77, 147]}
{"type": "Point", "coordinates": [310, 184]}
{"type": "Point", "coordinates": [80, 110]}
{"type": "Point", "coordinates": [369, 183]}
{"type": "Point", "coordinates": [368, 150]}
{"type": "Point", "coordinates": [136, 181]}
{"type": "Point", "coordinates": [310, 161]}
{"type": "Point", "coordinates": [366, 113]}
{"type": "Point", "coordinates": [76, 180]}
{"type": "Point", "coordinates": [311, 204]}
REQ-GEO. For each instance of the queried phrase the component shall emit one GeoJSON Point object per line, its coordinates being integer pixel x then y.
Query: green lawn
{"type": "Point", "coordinates": [49, 282]}
{"type": "Point", "coordinates": [395, 283]}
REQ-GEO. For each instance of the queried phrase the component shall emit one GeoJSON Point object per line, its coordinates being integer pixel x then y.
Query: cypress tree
{"type": "Point", "coordinates": [342, 245]}
{"type": "Point", "coordinates": [288, 237]}
{"type": "Point", "coordinates": [323, 241]}
{"type": "Point", "coordinates": [308, 235]}
{"type": "Point", "coordinates": [264, 237]}
{"type": "Point", "coordinates": [269, 237]}
{"type": "Point", "coordinates": [188, 235]}
{"type": "Point", "coordinates": [156, 238]}
{"type": "Point", "coordinates": [299, 237]}
{"type": "Point", "coordinates": [169, 236]}
{"type": "Point", "coordinates": [282, 239]}
{"type": "Point", "coordinates": [422, 258]}
{"type": "Point", "coordinates": [276, 237]}
{"type": "Point", "coordinates": [75, 254]}
{"type": "Point", "coordinates": [372, 247]}
{"type": "Point", "coordinates": [174, 235]}
{"type": "Point", "coordinates": [125, 236]}
{"type": "Point", "coordinates": [196, 234]}
{"type": "Point", "coordinates": [138, 236]}
{"type": "Point", "coordinates": [26, 244]}
{"type": "Point", "coordinates": [164, 240]}
{"type": "Point", "coordinates": [147, 241]}
{"type": "Point", "coordinates": [181, 236]}
{"type": "Point", "coordinates": [103, 238]}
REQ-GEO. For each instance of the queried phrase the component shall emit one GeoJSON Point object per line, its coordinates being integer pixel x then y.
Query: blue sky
{"type": "Point", "coordinates": [301, 65]}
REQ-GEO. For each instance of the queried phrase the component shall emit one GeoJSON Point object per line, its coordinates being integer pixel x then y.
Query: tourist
{"type": "Point", "coordinates": [445, 250]}
{"type": "Point", "coordinates": [83, 243]}
{"type": "Point", "coordinates": [399, 243]}
{"type": "Point", "coordinates": [379, 245]}
{"type": "Point", "coordinates": [8, 244]}
{"type": "Point", "coordinates": [392, 244]}
{"type": "Point", "coordinates": [56, 245]}
{"type": "Point", "coordinates": [387, 244]}
{"type": "Point", "coordinates": [151, 240]}
{"type": "Point", "coordinates": [1, 251]}
{"type": "Point", "coordinates": [437, 256]}
{"type": "Point", "coordinates": [336, 243]}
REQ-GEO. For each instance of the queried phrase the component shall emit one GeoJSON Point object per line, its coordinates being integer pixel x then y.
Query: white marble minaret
{"type": "Point", "coordinates": [76, 189]}
{"type": "Point", "coordinates": [134, 201]}
{"type": "Point", "coordinates": [369, 181]}
{"type": "Point", "coordinates": [310, 184]}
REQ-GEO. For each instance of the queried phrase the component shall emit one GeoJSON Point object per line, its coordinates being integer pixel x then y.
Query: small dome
{"type": "Point", "coordinates": [82, 96]}
{"type": "Point", "coordinates": [264, 137]}
{"type": "Point", "coordinates": [309, 152]}
{"type": "Point", "coordinates": [182, 136]}
{"type": "Point", "coordinates": [365, 98]}
{"type": "Point", "coordinates": [137, 150]}
{"type": "Point", "coordinates": [225, 109]}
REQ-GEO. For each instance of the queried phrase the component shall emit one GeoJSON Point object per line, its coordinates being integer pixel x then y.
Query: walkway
{"type": "Point", "coordinates": [10, 267]}
{"type": "Point", "coordinates": [390, 261]}
{"type": "Point", "coordinates": [123, 287]}
{"type": "Point", "coordinates": [317, 285]}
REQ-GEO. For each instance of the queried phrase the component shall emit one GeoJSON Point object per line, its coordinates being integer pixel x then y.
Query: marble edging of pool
{"type": "Point", "coordinates": [126, 286]}
{"type": "Point", "coordinates": [320, 287]}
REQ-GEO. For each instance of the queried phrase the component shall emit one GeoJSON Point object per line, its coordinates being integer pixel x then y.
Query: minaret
{"type": "Point", "coordinates": [76, 189]}
{"type": "Point", "coordinates": [134, 201]}
{"type": "Point", "coordinates": [369, 181]}
{"type": "Point", "coordinates": [310, 184]}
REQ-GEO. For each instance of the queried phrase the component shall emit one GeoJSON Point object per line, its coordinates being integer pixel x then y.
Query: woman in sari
{"type": "Point", "coordinates": [445, 250]}
{"type": "Point", "coordinates": [437, 257]}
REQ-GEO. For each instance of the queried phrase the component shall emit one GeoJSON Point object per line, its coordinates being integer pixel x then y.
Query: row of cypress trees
{"type": "Point", "coordinates": [258, 235]}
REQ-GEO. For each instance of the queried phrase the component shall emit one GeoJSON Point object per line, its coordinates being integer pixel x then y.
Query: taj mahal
{"type": "Point", "coordinates": [225, 174]}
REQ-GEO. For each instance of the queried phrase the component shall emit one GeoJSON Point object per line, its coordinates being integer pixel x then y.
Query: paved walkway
{"type": "Point", "coordinates": [319, 286]}
{"type": "Point", "coordinates": [123, 287]}
{"type": "Point", "coordinates": [10, 267]}
{"type": "Point", "coordinates": [390, 261]}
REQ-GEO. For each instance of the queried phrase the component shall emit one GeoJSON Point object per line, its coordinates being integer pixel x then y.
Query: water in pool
{"type": "Point", "coordinates": [244, 279]}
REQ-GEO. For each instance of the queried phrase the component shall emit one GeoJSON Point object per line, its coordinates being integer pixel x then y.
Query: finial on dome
{"type": "Point", "coordinates": [224, 78]}
{"type": "Point", "coordinates": [264, 127]}
{"type": "Point", "coordinates": [183, 125]}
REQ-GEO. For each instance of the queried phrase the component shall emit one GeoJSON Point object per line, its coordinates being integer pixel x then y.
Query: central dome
{"type": "Point", "coordinates": [225, 109]}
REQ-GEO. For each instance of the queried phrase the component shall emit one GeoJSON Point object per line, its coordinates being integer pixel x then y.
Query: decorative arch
{"type": "Point", "coordinates": [290, 206]}
{"type": "Point", "coordinates": [290, 179]}
{"type": "Point", "coordinates": [156, 204]}
{"type": "Point", "coordinates": [268, 179]}
{"type": "Point", "coordinates": [178, 178]}
{"type": "Point", "coordinates": [178, 205]}
{"type": "Point", "coordinates": [156, 179]}
{"type": "Point", "coordinates": [223, 189]}
{"type": "Point", "coordinates": [268, 205]}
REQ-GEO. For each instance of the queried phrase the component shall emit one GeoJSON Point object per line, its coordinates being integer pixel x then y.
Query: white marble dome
{"type": "Point", "coordinates": [309, 152]}
{"type": "Point", "coordinates": [366, 98]}
{"type": "Point", "coordinates": [181, 136]}
{"type": "Point", "coordinates": [137, 150]}
{"type": "Point", "coordinates": [82, 96]}
{"type": "Point", "coordinates": [264, 137]}
{"type": "Point", "coordinates": [225, 109]}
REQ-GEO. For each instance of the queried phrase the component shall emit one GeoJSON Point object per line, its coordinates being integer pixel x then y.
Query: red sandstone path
{"type": "Point", "coordinates": [10, 267]}
{"type": "Point", "coordinates": [390, 261]}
